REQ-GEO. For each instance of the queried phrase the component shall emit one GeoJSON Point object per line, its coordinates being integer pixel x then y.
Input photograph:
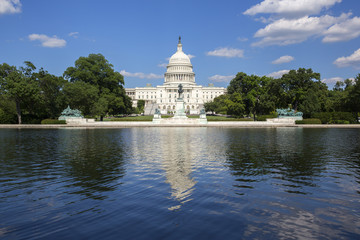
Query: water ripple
{"type": "Point", "coordinates": [176, 183]}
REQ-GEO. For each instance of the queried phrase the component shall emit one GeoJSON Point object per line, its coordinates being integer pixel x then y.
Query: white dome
{"type": "Point", "coordinates": [179, 57]}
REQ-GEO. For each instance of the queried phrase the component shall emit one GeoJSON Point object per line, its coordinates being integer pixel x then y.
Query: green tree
{"type": "Point", "coordinates": [7, 110]}
{"type": "Point", "coordinates": [20, 86]}
{"type": "Point", "coordinates": [297, 83]}
{"type": "Point", "coordinates": [210, 106]}
{"type": "Point", "coordinates": [140, 105]}
{"type": "Point", "coordinates": [354, 96]}
{"type": "Point", "coordinates": [96, 71]}
{"type": "Point", "coordinates": [253, 92]}
{"type": "Point", "coordinates": [218, 105]}
{"type": "Point", "coordinates": [82, 96]}
{"type": "Point", "coordinates": [52, 98]}
{"type": "Point", "coordinates": [235, 105]}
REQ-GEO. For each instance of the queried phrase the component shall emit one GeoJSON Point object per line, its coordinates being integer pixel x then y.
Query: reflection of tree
{"type": "Point", "coordinates": [286, 154]}
{"type": "Point", "coordinates": [94, 160]}
{"type": "Point", "coordinates": [27, 155]}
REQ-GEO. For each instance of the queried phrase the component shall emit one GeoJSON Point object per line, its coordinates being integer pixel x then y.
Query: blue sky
{"type": "Point", "coordinates": [262, 37]}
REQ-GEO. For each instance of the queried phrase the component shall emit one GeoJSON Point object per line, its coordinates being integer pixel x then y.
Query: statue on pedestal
{"type": "Point", "coordinates": [288, 113]}
{"type": "Point", "coordinates": [70, 113]}
{"type": "Point", "coordinates": [180, 90]}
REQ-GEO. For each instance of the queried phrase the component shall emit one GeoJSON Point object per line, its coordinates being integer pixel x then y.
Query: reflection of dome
{"type": "Point", "coordinates": [179, 68]}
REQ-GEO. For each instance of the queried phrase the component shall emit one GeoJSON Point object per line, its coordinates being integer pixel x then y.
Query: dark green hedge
{"type": "Point", "coordinates": [53, 121]}
{"type": "Point", "coordinates": [335, 117]}
{"type": "Point", "coordinates": [264, 117]}
{"type": "Point", "coordinates": [7, 118]}
{"type": "Point", "coordinates": [308, 121]}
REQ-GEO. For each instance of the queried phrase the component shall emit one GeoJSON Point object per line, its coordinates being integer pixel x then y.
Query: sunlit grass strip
{"type": "Point", "coordinates": [221, 118]}
{"type": "Point", "coordinates": [53, 121]}
{"type": "Point", "coordinates": [131, 119]}
{"type": "Point", "coordinates": [308, 121]}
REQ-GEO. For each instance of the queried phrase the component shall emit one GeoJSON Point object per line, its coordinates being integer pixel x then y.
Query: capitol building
{"type": "Point", "coordinates": [179, 71]}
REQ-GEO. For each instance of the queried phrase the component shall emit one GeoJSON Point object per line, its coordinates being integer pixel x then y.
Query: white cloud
{"type": "Point", "coordinates": [74, 34]}
{"type": "Point", "coordinates": [227, 52]}
{"type": "Point", "coordinates": [291, 23]}
{"type": "Point", "coordinates": [278, 74]}
{"type": "Point", "coordinates": [291, 31]}
{"type": "Point", "coordinates": [332, 80]}
{"type": "Point", "coordinates": [48, 41]}
{"type": "Point", "coordinates": [10, 6]}
{"type": "Point", "coordinates": [343, 31]}
{"type": "Point", "coordinates": [162, 65]}
{"type": "Point", "coordinates": [291, 8]}
{"type": "Point", "coordinates": [242, 39]}
{"type": "Point", "coordinates": [190, 56]}
{"type": "Point", "coordinates": [351, 61]}
{"type": "Point", "coordinates": [220, 78]}
{"type": "Point", "coordinates": [141, 75]}
{"type": "Point", "coordinates": [283, 59]}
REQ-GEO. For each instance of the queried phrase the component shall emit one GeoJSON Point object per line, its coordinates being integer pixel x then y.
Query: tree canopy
{"type": "Point", "coordinates": [91, 85]}
{"type": "Point", "coordinates": [299, 89]}
{"type": "Point", "coordinates": [94, 76]}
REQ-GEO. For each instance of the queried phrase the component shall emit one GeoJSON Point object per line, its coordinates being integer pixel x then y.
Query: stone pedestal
{"type": "Point", "coordinates": [180, 109]}
{"type": "Point", "coordinates": [284, 120]}
{"type": "Point", "coordinates": [156, 118]}
{"type": "Point", "coordinates": [203, 118]}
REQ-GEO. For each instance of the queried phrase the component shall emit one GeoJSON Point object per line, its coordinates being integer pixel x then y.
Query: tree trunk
{"type": "Point", "coordinates": [101, 118]}
{"type": "Point", "coordinates": [18, 111]}
{"type": "Point", "coordinates": [296, 106]}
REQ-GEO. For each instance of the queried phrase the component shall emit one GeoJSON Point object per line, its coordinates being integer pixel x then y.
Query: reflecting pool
{"type": "Point", "coordinates": [180, 183]}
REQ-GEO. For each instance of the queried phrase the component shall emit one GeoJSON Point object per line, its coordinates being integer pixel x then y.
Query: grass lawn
{"type": "Point", "coordinates": [137, 118]}
{"type": "Point", "coordinates": [221, 118]}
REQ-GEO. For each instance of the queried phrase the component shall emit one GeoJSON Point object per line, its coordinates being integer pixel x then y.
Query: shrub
{"type": "Point", "coordinates": [333, 117]}
{"type": "Point", "coordinates": [308, 121]}
{"type": "Point", "coordinates": [340, 122]}
{"type": "Point", "coordinates": [53, 121]}
{"type": "Point", "coordinates": [264, 117]}
{"type": "Point", "coordinates": [325, 117]}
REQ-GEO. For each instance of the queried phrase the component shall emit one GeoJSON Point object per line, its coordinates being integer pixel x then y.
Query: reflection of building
{"type": "Point", "coordinates": [175, 154]}
{"type": "Point", "coordinates": [179, 70]}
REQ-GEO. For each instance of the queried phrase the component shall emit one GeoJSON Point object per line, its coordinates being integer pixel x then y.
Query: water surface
{"type": "Point", "coordinates": [180, 183]}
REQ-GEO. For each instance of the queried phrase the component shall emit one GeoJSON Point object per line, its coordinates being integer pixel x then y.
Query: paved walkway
{"type": "Point", "coordinates": [235, 124]}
